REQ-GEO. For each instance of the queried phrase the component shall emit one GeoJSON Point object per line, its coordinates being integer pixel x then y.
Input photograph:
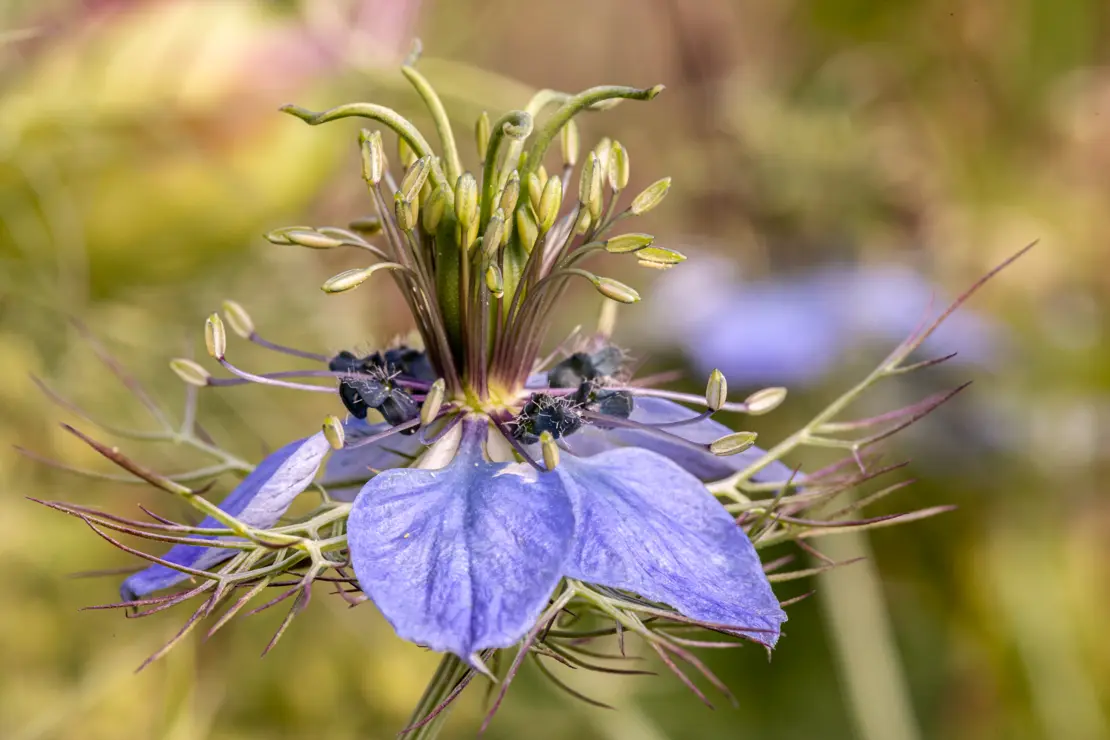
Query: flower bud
{"type": "Point", "coordinates": [415, 178]}
{"type": "Point", "coordinates": [495, 281]}
{"type": "Point", "coordinates": [373, 156]}
{"type": "Point", "coordinates": [618, 167]}
{"type": "Point", "coordinates": [191, 372]}
{"type": "Point", "coordinates": [466, 200]}
{"type": "Point", "coordinates": [215, 336]}
{"type": "Point", "coordinates": [368, 226]}
{"type": "Point", "coordinates": [628, 243]}
{"type": "Point", "coordinates": [406, 212]}
{"type": "Point", "coordinates": [239, 319]}
{"type": "Point", "coordinates": [432, 213]}
{"type": "Point", "coordinates": [535, 191]}
{"type": "Point", "coordinates": [716, 391]}
{"type": "Point", "coordinates": [550, 450]}
{"type": "Point", "coordinates": [765, 400]}
{"type": "Point", "coordinates": [482, 134]}
{"type": "Point", "coordinates": [616, 290]}
{"type": "Point", "coordinates": [526, 229]}
{"type": "Point", "coordinates": [433, 401]}
{"type": "Point", "coordinates": [732, 444]}
{"type": "Point", "coordinates": [312, 239]}
{"type": "Point", "coordinates": [333, 432]}
{"type": "Point", "coordinates": [651, 196]}
{"type": "Point", "coordinates": [550, 202]}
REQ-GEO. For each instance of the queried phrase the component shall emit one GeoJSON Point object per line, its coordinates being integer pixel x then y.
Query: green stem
{"type": "Point", "coordinates": [439, 117]}
{"type": "Point", "coordinates": [569, 109]}
{"type": "Point", "coordinates": [451, 670]}
{"type": "Point", "coordinates": [388, 116]}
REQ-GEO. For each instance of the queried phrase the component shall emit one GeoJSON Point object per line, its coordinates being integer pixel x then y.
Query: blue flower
{"type": "Point", "coordinates": [465, 557]}
{"type": "Point", "coordinates": [475, 485]}
{"type": "Point", "coordinates": [797, 329]}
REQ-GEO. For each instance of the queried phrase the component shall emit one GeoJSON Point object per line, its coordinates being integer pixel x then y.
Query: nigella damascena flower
{"type": "Point", "coordinates": [479, 493]}
{"type": "Point", "coordinates": [800, 327]}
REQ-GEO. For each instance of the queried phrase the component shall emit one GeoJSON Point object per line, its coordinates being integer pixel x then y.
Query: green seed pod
{"type": "Point", "coordinates": [651, 196]}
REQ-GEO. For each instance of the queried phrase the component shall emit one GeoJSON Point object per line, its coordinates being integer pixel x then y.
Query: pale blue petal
{"type": "Point", "coordinates": [462, 558]}
{"type": "Point", "coordinates": [703, 464]}
{"type": "Point", "coordinates": [258, 501]}
{"type": "Point", "coordinates": [647, 526]}
{"type": "Point", "coordinates": [359, 464]}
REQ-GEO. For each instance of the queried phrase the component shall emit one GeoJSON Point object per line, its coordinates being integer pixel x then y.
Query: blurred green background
{"type": "Point", "coordinates": [142, 157]}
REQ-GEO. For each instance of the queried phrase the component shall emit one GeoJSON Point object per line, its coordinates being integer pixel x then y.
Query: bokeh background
{"type": "Point", "coordinates": [836, 163]}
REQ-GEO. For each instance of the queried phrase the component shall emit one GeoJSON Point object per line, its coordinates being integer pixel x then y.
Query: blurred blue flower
{"type": "Point", "coordinates": [795, 330]}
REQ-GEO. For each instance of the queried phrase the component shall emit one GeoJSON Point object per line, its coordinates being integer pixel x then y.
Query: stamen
{"type": "Point", "coordinates": [261, 379]}
{"type": "Point", "coordinates": [655, 431]}
{"type": "Point", "coordinates": [742, 408]}
{"type": "Point", "coordinates": [516, 445]}
{"type": "Point", "coordinates": [285, 350]}
{"type": "Point", "coordinates": [418, 385]}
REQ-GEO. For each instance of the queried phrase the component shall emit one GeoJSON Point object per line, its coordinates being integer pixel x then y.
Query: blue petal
{"type": "Point", "coordinates": [361, 463]}
{"type": "Point", "coordinates": [703, 464]}
{"type": "Point", "coordinates": [258, 501]}
{"type": "Point", "coordinates": [463, 558]}
{"type": "Point", "coordinates": [647, 526]}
